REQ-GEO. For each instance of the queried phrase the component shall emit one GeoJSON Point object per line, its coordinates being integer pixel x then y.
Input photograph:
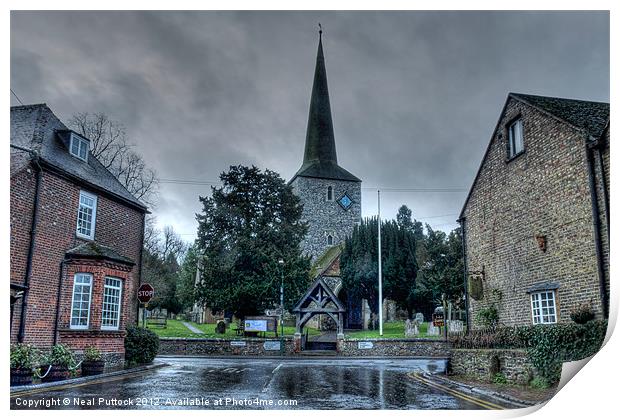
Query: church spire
{"type": "Point", "coordinates": [320, 143]}
{"type": "Point", "coordinates": [320, 159]}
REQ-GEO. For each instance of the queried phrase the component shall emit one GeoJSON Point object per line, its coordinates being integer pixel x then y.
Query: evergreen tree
{"type": "Point", "coordinates": [245, 228]}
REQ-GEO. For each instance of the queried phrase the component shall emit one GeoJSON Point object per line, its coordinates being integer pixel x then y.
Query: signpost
{"type": "Point", "coordinates": [145, 294]}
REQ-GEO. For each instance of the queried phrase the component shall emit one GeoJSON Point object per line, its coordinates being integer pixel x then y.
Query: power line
{"type": "Point", "coordinates": [16, 97]}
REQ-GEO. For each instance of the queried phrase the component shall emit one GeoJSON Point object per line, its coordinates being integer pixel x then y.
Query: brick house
{"type": "Point", "coordinates": [536, 220]}
{"type": "Point", "coordinates": [76, 240]}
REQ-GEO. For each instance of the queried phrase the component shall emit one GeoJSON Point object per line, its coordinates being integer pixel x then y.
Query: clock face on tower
{"type": "Point", "coordinates": [345, 201]}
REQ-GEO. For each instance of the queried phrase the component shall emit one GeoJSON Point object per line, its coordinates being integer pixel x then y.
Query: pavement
{"type": "Point", "coordinates": [252, 383]}
{"type": "Point", "coordinates": [192, 328]}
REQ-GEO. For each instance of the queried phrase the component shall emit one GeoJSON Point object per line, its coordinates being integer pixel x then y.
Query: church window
{"type": "Point", "coordinates": [330, 240]}
{"type": "Point", "coordinates": [330, 193]}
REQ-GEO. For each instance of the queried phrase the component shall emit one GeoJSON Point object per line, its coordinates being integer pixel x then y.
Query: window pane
{"type": "Point", "coordinates": [81, 300]}
{"type": "Point", "coordinates": [111, 303]}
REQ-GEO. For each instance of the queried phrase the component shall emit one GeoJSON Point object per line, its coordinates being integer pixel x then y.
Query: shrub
{"type": "Point", "coordinates": [141, 345]}
{"type": "Point", "coordinates": [92, 354]}
{"type": "Point", "coordinates": [61, 356]}
{"type": "Point", "coordinates": [500, 378]}
{"type": "Point", "coordinates": [582, 314]}
{"type": "Point", "coordinates": [23, 356]}
{"type": "Point", "coordinates": [539, 383]}
{"type": "Point", "coordinates": [488, 317]}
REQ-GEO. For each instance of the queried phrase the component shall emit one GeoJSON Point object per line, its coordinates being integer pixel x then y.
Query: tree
{"type": "Point", "coordinates": [249, 224]}
{"type": "Point", "coordinates": [359, 264]}
{"type": "Point", "coordinates": [186, 279]}
{"type": "Point", "coordinates": [109, 145]}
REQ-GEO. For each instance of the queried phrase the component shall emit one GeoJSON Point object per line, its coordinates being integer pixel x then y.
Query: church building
{"type": "Point", "coordinates": [330, 194]}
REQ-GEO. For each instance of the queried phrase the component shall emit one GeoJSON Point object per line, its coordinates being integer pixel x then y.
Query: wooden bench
{"type": "Point", "coordinates": [158, 321]}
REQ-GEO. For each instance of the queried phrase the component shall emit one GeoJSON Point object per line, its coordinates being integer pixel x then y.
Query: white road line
{"type": "Point", "coordinates": [276, 369]}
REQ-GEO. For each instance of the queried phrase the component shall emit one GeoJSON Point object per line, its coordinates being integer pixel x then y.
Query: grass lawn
{"type": "Point", "coordinates": [176, 328]}
{"type": "Point", "coordinates": [394, 329]}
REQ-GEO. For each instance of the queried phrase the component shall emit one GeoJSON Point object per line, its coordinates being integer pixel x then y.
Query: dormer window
{"type": "Point", "coordinates": [79, 147]}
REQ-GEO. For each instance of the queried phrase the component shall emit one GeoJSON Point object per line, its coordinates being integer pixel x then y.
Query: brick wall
{"type": "Point", "coordinates": [543, 191]}
{"type": "Point", "coordinates": [117, 226]}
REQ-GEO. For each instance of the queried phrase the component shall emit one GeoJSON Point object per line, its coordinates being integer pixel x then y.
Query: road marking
{"type": "Point", "coordinates": [479, 402]}
{"type": "Point", "coordinates": [276, 369]}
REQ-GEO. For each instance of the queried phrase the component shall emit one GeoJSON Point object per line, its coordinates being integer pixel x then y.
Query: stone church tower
{"type": "Point", "coordinates": [330, 194]}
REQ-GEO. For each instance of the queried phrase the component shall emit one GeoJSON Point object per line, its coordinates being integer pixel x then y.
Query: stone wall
{"type": "Point", "coordinates": [542, 191]}
{"type": "Point", "coordinates": [394, 347]}
{"type": "Point", "coordinates": [221, 347]}
{"type": "Point", "coordinates": [327, 217]}
{"type": "Point", "coordinates": [514, 364]}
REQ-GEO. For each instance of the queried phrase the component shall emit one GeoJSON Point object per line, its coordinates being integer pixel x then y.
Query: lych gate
{"type": "Point", "coordinates": [319, 299]}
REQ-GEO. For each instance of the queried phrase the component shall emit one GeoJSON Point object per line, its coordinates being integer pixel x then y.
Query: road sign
{"type": "Point", "coordinates": [273, 312]}
{"type": "Point", "coordinates": [145, 293]}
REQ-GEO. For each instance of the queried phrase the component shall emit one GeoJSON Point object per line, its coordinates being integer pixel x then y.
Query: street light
{"type": "Point", "coordinates": [281, 262]}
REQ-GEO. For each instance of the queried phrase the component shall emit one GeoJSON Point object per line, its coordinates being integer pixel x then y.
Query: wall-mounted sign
{"type": "Point", "coordinates": [237, 343]}
{"type": "Point", "coordinates": [365, 345]}
{"type": "Point", "coordinates": [271, 345]}
{"type": "Point", "coordinates": [255, 325]}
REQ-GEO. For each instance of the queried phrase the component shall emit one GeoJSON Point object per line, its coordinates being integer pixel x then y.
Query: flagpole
{"type": "Point", "coordinates": [380, 274]}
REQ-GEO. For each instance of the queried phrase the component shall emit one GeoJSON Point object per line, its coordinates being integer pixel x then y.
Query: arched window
{"type": "Point", "coordinates": [330, 240]}
{"type": "Point", "coordinates": [330, 193]}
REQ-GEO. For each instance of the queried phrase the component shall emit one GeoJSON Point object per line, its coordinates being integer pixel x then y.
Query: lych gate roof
{"type": "Point", "coordinates": [321, 295]}
{"type": "Point", "coordinates": [320, 160]}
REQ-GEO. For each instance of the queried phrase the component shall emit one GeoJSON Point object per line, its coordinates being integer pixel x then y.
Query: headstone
{"type": "Point", "coordinates": [419, 317]}
{"type": "Point", "coordinates": [411, 328]}
{"type": "Point", "coordinates": [432, 330]}
{"type": "Point", "coordinates": [455, 326]}
{"type": "Point", "coordinates": [220, 327]}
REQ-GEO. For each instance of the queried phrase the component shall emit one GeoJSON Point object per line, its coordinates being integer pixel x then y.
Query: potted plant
{"type": "Point", "coordinates": [57, 364]}
{"type": "Point", "coordinates": [23, 358]}
{"type": "Point", "coordinates": [93, 363]}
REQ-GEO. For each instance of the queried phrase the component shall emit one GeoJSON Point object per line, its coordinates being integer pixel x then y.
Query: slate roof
{"type": "Point", "coordinates": [95, 250]}
{"type": "Point", "coordinates": [320, 160]}
{"type": "Point", "coordinates": [586, 115]}
{"type": "Point", "coordinates": [36, 127]}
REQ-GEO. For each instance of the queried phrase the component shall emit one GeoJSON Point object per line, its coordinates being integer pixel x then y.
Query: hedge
{"type": "Point", "coordinates": [141, 345]}
{"type": "Point", "coordinates": [548, 346]}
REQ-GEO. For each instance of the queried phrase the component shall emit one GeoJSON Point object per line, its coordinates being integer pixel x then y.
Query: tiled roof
{"type": "Point", "coordinates": [95, 250]}
{"type": "Point", "coordinates": [587, 115]}
{"type": "Point", "coordinates": [36, 127]}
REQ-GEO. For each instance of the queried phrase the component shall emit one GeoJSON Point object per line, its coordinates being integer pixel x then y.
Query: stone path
{"type": "Point", "coordinates": [192, 328]}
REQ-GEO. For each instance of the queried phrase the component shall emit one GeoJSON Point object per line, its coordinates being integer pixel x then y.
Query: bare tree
{"type": "Point", "coordinates": [109, 145]}
{"type": "Point", "coordinates": [172, 244]}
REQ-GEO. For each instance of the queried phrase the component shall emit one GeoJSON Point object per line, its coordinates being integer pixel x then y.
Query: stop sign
{"type": "Point", "coordinates": [145, 293]}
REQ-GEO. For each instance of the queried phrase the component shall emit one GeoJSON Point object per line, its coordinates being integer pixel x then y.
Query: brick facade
{"type": "Point", "coordinates": [118, 226]}
{"type": "Point", "coordinates": [542, 191]}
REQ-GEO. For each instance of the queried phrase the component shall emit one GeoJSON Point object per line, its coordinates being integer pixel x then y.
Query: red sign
{"type": "Point", "coordinates": [438, 320]}
{"type": "Point", "coordinates": [145, 293]}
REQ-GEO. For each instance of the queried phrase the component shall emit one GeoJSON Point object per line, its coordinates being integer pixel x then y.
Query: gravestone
{"type": "Point", "coordinates": [419, 317]}
{"type": "Point", "coordinates": [432, 330]}
{"type": "Point", "coordinates": [411, 328]}
{"type": "Point", "coordinates": [220, 327]}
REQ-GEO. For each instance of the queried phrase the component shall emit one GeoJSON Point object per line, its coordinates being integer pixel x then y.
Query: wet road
{"type": "Point", "coordinates": [202, 383]}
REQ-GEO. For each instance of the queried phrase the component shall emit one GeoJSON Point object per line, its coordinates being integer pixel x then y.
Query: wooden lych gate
{"type": "Point", "coordinates": [319, 299]}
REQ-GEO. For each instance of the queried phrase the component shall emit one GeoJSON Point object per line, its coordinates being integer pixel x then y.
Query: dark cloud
{"type": "Point", "coordinates": [415, 95]}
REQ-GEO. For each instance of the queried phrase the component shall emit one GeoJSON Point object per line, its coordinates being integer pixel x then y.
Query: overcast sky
{"type": "Point", "coordinates": [414, 95]}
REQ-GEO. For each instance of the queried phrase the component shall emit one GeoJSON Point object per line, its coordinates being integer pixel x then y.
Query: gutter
{"type": "Point", "coordinates": [597, 227]}
{"type": "Point", "coordinates": [461, 221]}
{"type": "Point", "coordinates": [33, 234]}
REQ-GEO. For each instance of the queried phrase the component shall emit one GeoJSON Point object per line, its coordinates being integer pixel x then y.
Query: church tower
{"type": "Point", "coordinates": [330, 194]}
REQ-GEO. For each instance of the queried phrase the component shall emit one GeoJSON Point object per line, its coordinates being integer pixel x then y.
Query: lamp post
{"type": "Point", "coordinates": [281, 262]}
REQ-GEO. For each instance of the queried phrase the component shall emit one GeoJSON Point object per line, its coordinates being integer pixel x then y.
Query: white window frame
{"type": "Point", "coordinates": [512, 141]}
{"type": "Point", "coordinates": [536, 302]}
{"type": "Point", "coordinates": [93, 219]}
{"type": "Point", "coordinates": [90, 298]}
{"type": "Point", "coordinates": [327, 193]}
{"type": "Point", "coordinates": [120, 302]}
{"type": "Point", "coordinates": [82, 145]}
